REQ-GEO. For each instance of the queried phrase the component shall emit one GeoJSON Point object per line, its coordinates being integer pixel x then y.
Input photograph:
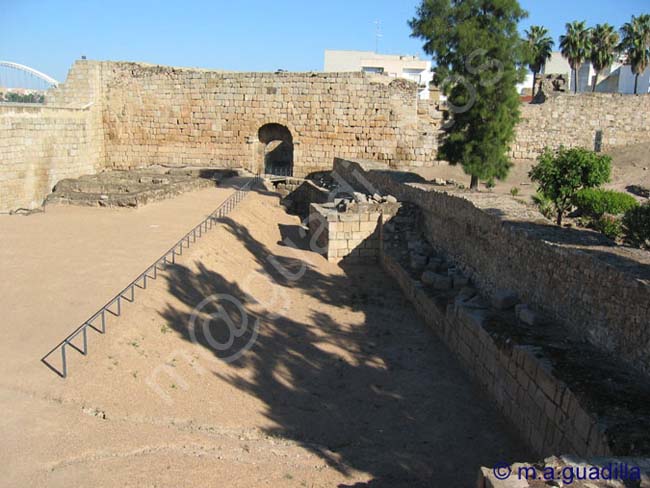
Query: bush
{"type": "Point", "coordinates": [514, 191]}
{"type": "Point", "coordinates": [636, 224]}
{"type": "Point", "coordinates": [610, 225]}
{"type": "Point", "coordinates": [597, 202]}
{"type": "Point", "coordinates": [544, 205]}
{"type": "Point", "coordinates": [562, 173]}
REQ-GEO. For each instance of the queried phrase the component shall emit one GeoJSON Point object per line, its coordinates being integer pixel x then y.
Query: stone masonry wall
{"type": "Point", "coordinates": [166, 115]}
{"type": "Point", "coordinates": [572, 120]}
{"type": "Point", "coordinates": [43, 144]}
{"type": "Point", "coordinates": [351, 236]}
{"type": "Point", "coordinates": [40, 145]}
{"type": "Point", "coordinates": [548, 416]}
{"type": "Point", "coordinates": [135, 115]}
{"type": "Point", "coordinates": [592, 291]}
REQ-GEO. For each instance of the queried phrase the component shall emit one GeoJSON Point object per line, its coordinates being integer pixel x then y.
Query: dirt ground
{"type": "Point", "coordinates": [630, 168]}
{"type": "Point", "coordinates": [338, 382]}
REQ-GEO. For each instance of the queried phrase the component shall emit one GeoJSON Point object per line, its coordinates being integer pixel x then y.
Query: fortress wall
{"type": "Point", "coordinates": [573, 120]}
{"type": "Point", "coordinates": [117, 115]}
{"type": "Point", "coordinates": [164, 115]}
{"type": "Point", "coordinates": [41, 145]}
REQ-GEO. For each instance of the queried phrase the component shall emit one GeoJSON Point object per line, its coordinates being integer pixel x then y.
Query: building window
{"type": "Point", "coordinates": [372, 69]}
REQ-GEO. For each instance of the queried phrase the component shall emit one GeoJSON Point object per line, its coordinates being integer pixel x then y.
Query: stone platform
{"type": "Point", "coordinates": [134, 188]}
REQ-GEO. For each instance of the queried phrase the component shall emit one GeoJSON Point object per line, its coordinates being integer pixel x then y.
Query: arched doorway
{"type": "Point", "coordinates": [278, 149]}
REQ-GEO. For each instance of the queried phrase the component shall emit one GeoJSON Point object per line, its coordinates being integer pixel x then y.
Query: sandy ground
{"type": "Point", "coordinates": [338, 382]}
{"type": "Point", "coordinates": [630, 167]}
{"type": "Point", "coordinates": [59, 267]}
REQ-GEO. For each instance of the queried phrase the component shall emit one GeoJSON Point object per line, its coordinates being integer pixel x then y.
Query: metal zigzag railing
{"type": "Point", "coordinates": [97, 321]}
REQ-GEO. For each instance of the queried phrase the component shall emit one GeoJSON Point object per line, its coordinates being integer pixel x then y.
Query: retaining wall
{"type": "Point", "coordinates": [601, 294]}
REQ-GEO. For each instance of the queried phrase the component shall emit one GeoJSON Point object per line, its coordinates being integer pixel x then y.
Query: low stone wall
{"type": "Point", "coordinates": [352, 235]}
{"type": "Point", "coordinates": [602, 294]}
{"type": "Point", "coordinates": [547, 414]}
{"type": "Point", "coordinates": [298, 194]}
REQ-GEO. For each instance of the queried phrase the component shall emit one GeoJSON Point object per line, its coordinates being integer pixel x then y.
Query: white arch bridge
{"type": "Point", "coordinates": [19, 76]}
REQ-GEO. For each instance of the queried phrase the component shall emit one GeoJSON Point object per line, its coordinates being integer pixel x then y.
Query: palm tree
{"type": "Point", "coordinates": [636, 44]}
{"type": "Point", "coordinates": [540, 48]}
{"type": "Point", "coordinates": [604, 42]}
{"type": "Point", "coordinates": [576, 46]}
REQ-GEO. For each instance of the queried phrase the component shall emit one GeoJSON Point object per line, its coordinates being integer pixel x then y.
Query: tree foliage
{"type": "Point", "coordinates": [635, 42]}
{"type": "Point", "coordinates": [575, 46]}
{"type": "Point", "coordinates": [604, 42]}
{"type": "Point", "coordinates": [637, 226]}
{"type": "Point", "coordinates": [480, 58]}
{"type": "Point", "coordinates": [563, 173]}
{"type": "Point", "coordinates": [597, 202]}
{"type": "Point", "coordinates": [539, 47]}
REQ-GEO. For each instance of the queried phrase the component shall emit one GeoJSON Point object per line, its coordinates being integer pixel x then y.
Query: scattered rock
{"type": "Point", "coordinates": [439, 181]}
{"type": "Point", "coordinates": [360, 197]}
{"type": "Point", "coordinates": [436, 281]}
{"type": "Point", "coordinates": [418, 261]}
{"type": "Point", "coordinates": [526, 315]}
{"type": "Point", "coordinates": [434, 264]}
{"type": "Point", "coordinates": [476, 302]}
{"type": "Point", "coordinates": [505, 299]}
{"type": "Point", "coordinates": [94, 412]}
{"type": "Point", "coordinates": [472, 316]}
{"type": "Point", "coordinates": [460, 281]}
{"type": "Point", "coordinates": [466, 294]}
{"type": "Point", "coordinates": [391, 199]}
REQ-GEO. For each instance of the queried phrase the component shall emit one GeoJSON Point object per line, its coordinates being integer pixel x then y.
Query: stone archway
{"type": "Point", "coordinates": [277, 144]}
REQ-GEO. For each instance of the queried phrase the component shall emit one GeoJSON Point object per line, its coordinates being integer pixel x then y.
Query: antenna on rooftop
{"type": "Point", "coordinates": [378, 34]}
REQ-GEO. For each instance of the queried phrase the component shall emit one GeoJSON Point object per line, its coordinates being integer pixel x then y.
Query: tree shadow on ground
{"type": "Point", "coordinates": [368, 390]}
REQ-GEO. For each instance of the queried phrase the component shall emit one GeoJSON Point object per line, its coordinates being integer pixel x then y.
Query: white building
{"type": "Point", "coordinates": [409, 67]}
{"type": "Point", "coordinates": [616, 79]}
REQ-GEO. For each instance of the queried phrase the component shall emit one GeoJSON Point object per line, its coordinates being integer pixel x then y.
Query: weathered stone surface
{"type": "Point", "coordinates": [437, 281]}
{"type": "Point", "coordinates": [526, 315]}
{"type": "Point", "coordinates": [505, 299]}
{"type": "Point", "coordinates": [600, 292]}
{"type": "Point", "coordinates": [460, 281]}
{"type": "Point", "coordinates": [418, 261]}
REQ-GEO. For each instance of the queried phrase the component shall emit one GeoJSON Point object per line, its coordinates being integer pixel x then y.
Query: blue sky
{"type": "Point", "coordinates": [245, 35]}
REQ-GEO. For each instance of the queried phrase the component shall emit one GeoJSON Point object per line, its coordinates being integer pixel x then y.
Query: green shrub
{"type": "Point", "coordinates": [637, 226]}
{"type": "Point", "coordinates": [514, 191]}
{"type": "Point", "coordinates": [562, 173]}
{"type": "Point", "coordinates": [597, 202]}
{"type": "Point", "coordinates": [610, 225]}
{"type": "Point", "coordinates": [545, 205]}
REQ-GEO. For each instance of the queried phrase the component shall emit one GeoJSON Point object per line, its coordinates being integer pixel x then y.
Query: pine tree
{"type": "Point", "coordinates": [480, 59]}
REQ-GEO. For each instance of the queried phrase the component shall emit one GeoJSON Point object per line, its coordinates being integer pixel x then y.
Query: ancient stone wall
{"type": "Point", "coordinates": [125, 115]}
{"type": "Point", "coordinates": [40, 145]}
{"type": "Point", "coordinates": [601, 294]}
{"type": "Point", "coordinates": [175, 116]}
{"type": "Point", "coordinates": [573, 120]}
{"type": "Point", "coordinates": [43, 144]}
